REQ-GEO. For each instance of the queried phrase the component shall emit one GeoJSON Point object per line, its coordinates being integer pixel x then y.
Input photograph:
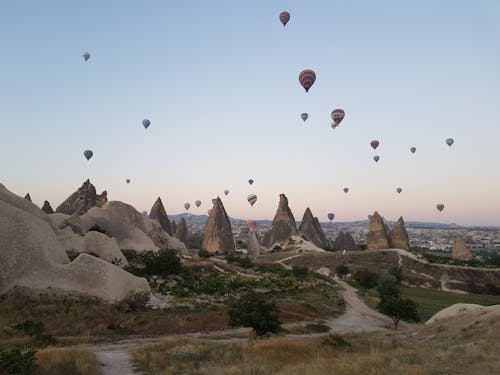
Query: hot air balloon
{"type": "Point", "coordinates": [338, 116]}
{"type": "Point", "coordinates": [399, 190]}
{"type": "Point", "coordinates": [186, 206]}
{"type": "Point", "coordinates": [449, 141]}
{"type": "Point", "coordinates": [374, 144]}
{"type": "Point", "coordinates": [331, 216]}
{"type": "Point", "coordinates": [284, 18]}
{"type": "Point", "coordinates": [440, 206]}
{"type": "Point", "coordinates": [127, 180]}
{"type": "Point", "coordinates": [346, 190]}
{"type": "Point", "coordinates": [226, 192]}
{"type": "Point", "coordinates": [307, 78]}
{"type": "Point", "coordinates": [214, 200]}
{"type": "Point", "coordinates": [304, 116]}
{"type": "Point", "coordinates": [197, 203]}
{"type": "Point", "coordinates": [146, 123]}
{"type": "Point", "coordinates": [88, 154]}
{"type": "Point", "coordinates": [252, 198]}
{"type": "Point", "coordinates": [250, 181]}
{"type": "Point", "coordinates": [251, 224]}
{"type": "Point", "coordinates": [413, 149]}
{"type": "Point", "coordinates": [86, 56]}
{"type": "Point", "coordinates": [376, 158]}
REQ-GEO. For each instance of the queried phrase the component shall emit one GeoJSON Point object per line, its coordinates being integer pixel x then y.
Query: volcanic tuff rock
{"type": "Point", "coordinates": [27, 197]}
{"type": "Point", "coordinates": [82, 200]}
{"type": "Point", "coordinates": [398, 237]}
{"type": "Point", "coordinates": [253, 246]}
{"type": "Point", "coordinates": [47, 208]}
{"type": "Point", "coordinates": [461, 251]}
{"type": "Point", "coordinates": [377, 234]}
{"type": "Point", "coordinates": [311, 230]}
{"type": "Point", "coordinates": [33, 257]}
{"type": "Point", "coordinates": [158, 213]}
{"type": "Point", "coordinates": [344, 241]}
{"type": "Point", "coordinates": [181, 232]}
{"type": "Point", "coordinates": [174, 227]}
{"type": "Point", "coordinates": [283, 226]}
{"type": "Point", "coordinates": [218, 233]}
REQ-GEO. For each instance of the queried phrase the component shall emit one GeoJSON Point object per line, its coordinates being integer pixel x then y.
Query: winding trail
{"type": "Point", "coordinates": [358, 318]}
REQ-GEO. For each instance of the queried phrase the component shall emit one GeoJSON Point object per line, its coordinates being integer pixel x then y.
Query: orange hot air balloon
{"type": "Point", "coordinates": [251, 224]}
{"type": "Point", "coordinates": [307, 79]}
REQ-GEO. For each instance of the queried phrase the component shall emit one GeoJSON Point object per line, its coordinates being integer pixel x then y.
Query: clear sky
{"type": "Point", "coordinates": [219, 82]}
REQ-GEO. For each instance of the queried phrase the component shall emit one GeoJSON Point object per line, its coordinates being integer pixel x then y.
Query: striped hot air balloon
{"type": "Point", "coordinates": [284, 18]}
{"type": "Point", "coordinates": [338, 116]}
{"type": "Point", "coordinates": [252, 198]}
{"type": "Point", "coordinates": [307, 78]}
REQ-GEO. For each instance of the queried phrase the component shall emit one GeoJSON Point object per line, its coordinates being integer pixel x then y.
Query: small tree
{"type": "Point", "coordinates": [252, 310]}
{"type": "Point", "coordinates": [366, 279]}
{"type": "Point", "coordinates": [398, 309]}
{"type": "Point", "coordinates": [388, 287]}
{"type": "Point", "coordinates": [163, 263]}
{"type": "Point", "coordinates": [341, 270]}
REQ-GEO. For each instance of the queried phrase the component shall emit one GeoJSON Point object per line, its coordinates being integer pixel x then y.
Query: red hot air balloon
{"type": "Point", "coordinates": [307, 78]}
{"type": "Point", "coordinates": [284, 18]}
{"type": "Point", "coordinates": [374, 144]}
{"type": "Point", "coordinates": [338, 116]}
{"type": "Point", "coordinates": [251, 224]}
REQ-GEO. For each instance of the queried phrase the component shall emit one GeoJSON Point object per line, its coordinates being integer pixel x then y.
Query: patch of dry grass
{"type": "Point", "coordinates": [57, 361]}
{"type": "Point", "coordinates": [464, 345]}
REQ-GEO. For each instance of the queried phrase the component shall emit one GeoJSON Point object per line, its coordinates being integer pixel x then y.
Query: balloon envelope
{"type": "Point", "coordinates": [346, 190]}
{"type": "Point", "coordinates": [88, 154]}
{"type": "Point", "coordinates": [338, 116]}
{"type": "Point", "coordinates": [226, 192]}
{"type": "Point", "coordinates": [146, 123]}
{"type": "Point", "coordinates": [127, 180]}
{"type": "Point", "coordinates": [214, 200]}
{"type": "Point", "coordinates": [374, 144]}
{"type": "Point", "coordinates": [399, 190]}
{"type": "Point", "coordinates": [413, 149]}
{"type": "Point", "coordinates": [307, 78]}
{"type": "Point", "coordinates": [251, 224]}
{"type": "Point", "coordinates": [331, 216]}
{"type": "Point", "coordinates": [86, 56]}
{"type": "Point", "coordinates": [376, 158]}
{"type": "Point", "coordinates": [197, 203]}
{"type": "Point", "coordinates": [440, 206]}
{"type": "Point", "coordinates": [186, 206]}
{"type": "Point", "coordinates": [449, 141]}
{"type": "Point", "coordinates": [252, 198]}
{"type": "Point", "coordinates": [250, 181]}
{"type": "Point", "coordinates": [304, 116]}
{"type": "Point", "coordinates": [284, 18]}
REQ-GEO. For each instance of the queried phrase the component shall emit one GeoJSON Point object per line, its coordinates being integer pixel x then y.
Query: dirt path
{"type": "Point", "coordinates": [114, 359]}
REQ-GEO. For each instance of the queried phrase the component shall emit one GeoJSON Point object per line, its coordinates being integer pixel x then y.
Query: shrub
{"type": "Point", "coordinates": [204, 254]}
{"type": "Point", "coordinates": [162, 263]}
{"type": "Point", "coordinates": [300, 272]}
{"type": "Point", "coordinates": [341, 270]}
{"type": "Point", "coordinates": [252, 310]}
{"type": "Point", "coordinates": [335, 341]}
{"type": "Point", "coordinates": [36, 331]}
{"type": "Point", "coordinates": [387, 287]}
{"type": "Point", "coordinates": [133, 302]}
{"type": "Point", "coordinates": [366, 279]}
{"type": "Point", "coordinates": [15, 362]}
{"type": "Point", "coordinates": [244, 262]}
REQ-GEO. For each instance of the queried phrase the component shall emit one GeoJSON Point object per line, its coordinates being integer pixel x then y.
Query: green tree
{"type": "Point", "coordinates": [162, 263]}
{"type": "Point", "coordinates": [252, 310]}
{"type": "Point", "coordinates": [398, 309]}
{"type": "Point", "coordinates": [387, 287]}
{"type": "Point", "coordinates": [366, 279]}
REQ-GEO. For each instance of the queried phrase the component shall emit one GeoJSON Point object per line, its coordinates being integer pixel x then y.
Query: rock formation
{"type": "Point", "coordinates": [253, 246]}
{"type": "Point", "coordinates": [27, 197]}
{"type": "Point", "coordinates": [82, 200]}
{"type": "Point", "coordinates": [311, 230]}
{"type": "Point", "coordinates": [173, 225]}
{"type": "Point", "coordinates": [218, 233]}
{"type": "Point", "coordinates": [283, 226]}
{"type": "Point", "coordinates": [377, 234]}
{"type": "Point", "coordinates": [181, 231]}
{"type": "Point", "coordinates": [461, 251]}
{"type": "Point", "coordinates": [344, 241]}
{"type": "Point", "coordinates": [398, 237]}
{"type": "Point", "coordinates": [47, 208]}
{"type": "Point", "coordinates": [33, 257]}
{"type": "Point", "coordinates": [159, 213]}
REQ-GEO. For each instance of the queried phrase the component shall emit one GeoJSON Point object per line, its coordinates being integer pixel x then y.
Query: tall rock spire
{"type": "Point", "coordinates": [311, 230]}
{"type": "Point", "coordinates": [377, 234]}
{"type": "Point", "coordinates": [218, 233]}
{"type": "Point", "coordinates": [159, 213]}
{"type": "Point", "coordinates": [283, 226]}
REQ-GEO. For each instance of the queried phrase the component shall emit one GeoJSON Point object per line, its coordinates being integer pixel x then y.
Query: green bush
{"type": "Point", "coordinates": [254, 311]}
{"type": "Point", "coordinates": [366, 279]}
{"type": "Point", "coordinates": [36, 330]}
{"type": "Point", "coordinates": [15, 362]}
{"type": "Point", "coordinates": [243, 262]}
{"type": "Point", "coordinates": [398, 309]}
{"type": "Point", "coordinates": [300, 272]}
{"type": "Point", "coordinates": [341, 270]}
{"type": "Point", "coordinates": [388, 287]}
{"type": "Point", "coordinates": [204, 254]}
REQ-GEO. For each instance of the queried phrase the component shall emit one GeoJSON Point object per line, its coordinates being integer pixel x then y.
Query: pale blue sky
{"type": "Point", "coordinates": [219, 82]}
